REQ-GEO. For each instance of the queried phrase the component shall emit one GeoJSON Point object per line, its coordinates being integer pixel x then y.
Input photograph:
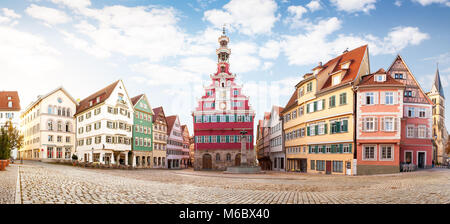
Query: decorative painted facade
{"type": "Point", "coordinates": [48, 127]}
{"type": "Point", "coordinates": [104, 126]}
{"type": "Point", "coordinates": [174, 143]}
{"type": "Point", "coordinates": [222, 113]}
{"type": "Point", "coordinates": [10, 111]}
{"type": "Point", "coordinates": [142, 147]}
{"type": "Point", "coordinates": [379, 115]}
{"type": "Point", "coordinates": [416, 125]}
{"type": "Point", "coordinates": [440, 134]}
{"type": "Point", "coordinates": [159, 138]}
{"type": "Point", "coordinates": [319, 119]}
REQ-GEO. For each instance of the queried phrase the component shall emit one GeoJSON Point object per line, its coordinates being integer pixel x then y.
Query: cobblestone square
{"type": "Point", "coordinates": [42, 183]}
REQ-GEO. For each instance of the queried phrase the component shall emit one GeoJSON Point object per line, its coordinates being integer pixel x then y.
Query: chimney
{"type": "Point", "coordinates": [346, 50]}
{"type": "Point", "coordinates": [320, 63]}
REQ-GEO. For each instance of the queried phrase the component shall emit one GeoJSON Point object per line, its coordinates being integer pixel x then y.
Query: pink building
{"type": "Point", "coordinates": [222, 113]}
{"type": "Point", "coordinates": [416, 125]}
{"type": "Point", "coordinates": [379, 115]}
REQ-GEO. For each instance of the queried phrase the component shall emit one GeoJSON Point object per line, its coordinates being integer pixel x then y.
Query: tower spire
{"type": "Point", "coordinates": [437, 86]}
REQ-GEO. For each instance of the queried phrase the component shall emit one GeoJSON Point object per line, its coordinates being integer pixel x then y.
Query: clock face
{"type": "Point", "coordinates": [223, 105]}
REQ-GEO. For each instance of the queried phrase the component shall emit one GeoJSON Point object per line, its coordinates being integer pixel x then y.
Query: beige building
{"type": "Point", "coordinates": [440, 134]}
{"type": "Point", "coordinates": [48, 126]}
{"type": "Point", "coordinates": [159, 138]}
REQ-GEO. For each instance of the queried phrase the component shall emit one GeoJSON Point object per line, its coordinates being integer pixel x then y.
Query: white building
{"type": "Point", "coordinates": [48, 127]}
{"type": "Point", "coordinates": [10, 111]}
{"type": "Point", "coordinates": [174, 142]}
{"type": "Point", "coordinates": [277, 153]}
{"type": "Point", "coordinates": [104, 126]}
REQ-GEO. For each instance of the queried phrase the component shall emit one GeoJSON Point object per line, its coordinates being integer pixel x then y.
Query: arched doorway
{"type": "Point", "coordinates": [237, 160]}
{"type": "Point", "coordinates": [207, 161]}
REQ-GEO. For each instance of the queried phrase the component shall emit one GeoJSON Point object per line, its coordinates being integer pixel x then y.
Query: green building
{"type": "Point", "coordinates": [142, 146]}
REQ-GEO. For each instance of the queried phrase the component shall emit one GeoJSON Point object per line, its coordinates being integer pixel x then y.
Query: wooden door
{"type": "Point", "coordinates": [237, 160]}
{"type": "Point", "coordinates": [207, 162]}
{"type": "Point", "coordinates": [328, 167]}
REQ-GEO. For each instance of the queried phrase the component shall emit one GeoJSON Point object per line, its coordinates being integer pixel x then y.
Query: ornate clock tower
{"type": "Point", "coordinates": [222, 113]}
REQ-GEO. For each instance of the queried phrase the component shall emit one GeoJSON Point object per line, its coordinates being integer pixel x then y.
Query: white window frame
{"type": "Point", "coordinates": [389, 98]}
{"type": "Point", "coordinates": [381, 153]}
{"type": "Point", "coordinates": [374, 153]}
{"type": "Point", "coordinates": [392, 124]}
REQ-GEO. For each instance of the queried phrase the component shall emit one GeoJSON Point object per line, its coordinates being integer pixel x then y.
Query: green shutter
{"type": "Point", "coordinates": [203, 139]}
{"type": "Point", "coordinates": [323, 104]}
{"type": "Point", "coordinates": [218, 138]}
{"type": "Point", "coordinates": [307, 131]}
{"type": "Point", "coordinates": [315, 106]}
{"type": "Point", "coordinates": [344, 128]}
{"type": "Point", "coordinates": [324, 149]}
{"type": "Point", "coordinates": [227, 139]}
{"type": "Point", "coordinates": [307, 108]}
{"type": "Point", "coordinates": [338, 127]}
{"type": "Point", "coordinates": [350, 148]}
{"type": "Point", "coordinates": [333, 148]}
{"type": "Point", "coordinates": [210, 138]}
{"type": "Point", "coordinates": [316, 130]}
{"type": "Point", "coordinates": [309, 148]}
{"type": "Point", "coordinates": [316, 148]}
{"type": "Point", "coordinates": [326, 128]}
{"type": "Point", "coordinates": [341, 146]}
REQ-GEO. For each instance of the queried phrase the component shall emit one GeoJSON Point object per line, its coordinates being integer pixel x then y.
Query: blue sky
{"type": "Point", "coordinates": [166, 49]}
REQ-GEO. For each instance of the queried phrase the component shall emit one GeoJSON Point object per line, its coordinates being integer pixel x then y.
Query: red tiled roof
{"type": "Point", "coordinates": [103, 94]}
{"type": "Point", "coordinates": [291, 103]}
{"type": "Point", "coordinates": [156, 112]}
{"type": "Point", "coordinates": [170, 122]}
{"type": "Point", "coordinates": [135, 99]}
{"type": "Point", "coordinates": [355, 56]}
{"type": "Point", "coordinates": [369, 80]}
{"type": "Point", "coordinates": [14, 99]}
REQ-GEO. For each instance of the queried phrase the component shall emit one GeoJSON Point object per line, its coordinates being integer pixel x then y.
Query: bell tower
{"type": "Point", "coordinates": [440, 135]}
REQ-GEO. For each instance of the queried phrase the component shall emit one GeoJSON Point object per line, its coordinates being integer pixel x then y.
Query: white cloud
{"type": "Point", "coordinates": [74, 4]}
{"type": "Point", "coordinates": [352, 6]}
{"type": "Point", "coordinates": [10, 13]}
{"type": "Point", "coordinates": [398, 3]}
{"type": "Point", "coordinates": [25, 60]}
{"type": "Point", "coordinates": [267, 65]}
{"type": "Point", "coordinates": [49, 16]}
{"type": "Point", "coordinates": [441, 59]}
{"type": "Point", "coordinates": [429, 2]}
{"type": "Point", "coordinates": [198, 65]}
{"type": "Point", "coordinates": [295, 18]}
{"type": "Point", "coordinates": [302, 49]}
{"type": "Point", "coordinates": [9, 17]}
{"type": "Point", "coordinates": [241, 15]}
{"type": "Point", "coordinates": [84, 45]}
{"type": "Point", "coordinates": [156, 74]}
{"type": "Point", "coordinates": [147, 32]}
{"type": "Point", "coordinates": [270, 50]}
{"type": "Point", "coordinates": [314, 5]}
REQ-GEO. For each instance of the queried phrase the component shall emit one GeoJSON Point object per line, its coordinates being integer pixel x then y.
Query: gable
{"type": "Point", "coordinates": [411, 85]}
{"type": "Point", "coordinates": [143, 105]}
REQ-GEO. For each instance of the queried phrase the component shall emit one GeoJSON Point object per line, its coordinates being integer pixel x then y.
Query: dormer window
{"type": "Point", "coordinates": [98, 99]}
{"type": "Point", "coordinates": [9, 98]}
{"type": "Point", "coordinates": [380, 78]}
{"type": "Point", "coordinates": [10, 104]}
{"type": "Point", "coordinates": [345, 65]}
{"type": "Point", "coordinates": [336, 79]}
{"type": "Point", "coordinates": [398, 76]}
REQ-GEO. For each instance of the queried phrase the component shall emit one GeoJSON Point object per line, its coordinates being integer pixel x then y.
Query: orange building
{"type": "Point", "coordinates": [379, 110]}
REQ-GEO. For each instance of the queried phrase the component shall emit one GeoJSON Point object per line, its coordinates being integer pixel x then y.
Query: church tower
{"type": "Point", "coordinates": [440, 134]}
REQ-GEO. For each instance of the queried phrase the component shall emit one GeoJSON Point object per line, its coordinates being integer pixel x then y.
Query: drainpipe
{"type": "Point", "coordinates": [355, 120]}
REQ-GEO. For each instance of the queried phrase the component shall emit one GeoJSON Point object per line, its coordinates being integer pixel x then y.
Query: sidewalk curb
{"type": "Point", "coordinates": [18, 198]}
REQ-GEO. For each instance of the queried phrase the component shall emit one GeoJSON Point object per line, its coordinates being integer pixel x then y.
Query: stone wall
{"type": "Point", "coordinates": [222, 164]}
{"type": "Point", "coordinates": [373, 169]}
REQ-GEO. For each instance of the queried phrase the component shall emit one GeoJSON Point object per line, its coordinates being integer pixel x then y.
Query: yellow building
{"type": "Point", "coordinates": [319, 117]}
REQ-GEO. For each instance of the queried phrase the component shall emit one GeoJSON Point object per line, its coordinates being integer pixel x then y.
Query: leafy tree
{"type": "Point", "coordinates": [15, 138]}
{"type": "Point", "coordinates": [5, 150]}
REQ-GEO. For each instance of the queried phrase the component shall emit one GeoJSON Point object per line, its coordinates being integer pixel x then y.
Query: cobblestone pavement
{"type": "Point", "coordinates": [8, 182]}
{"type": "Point", "coordinates": [51, 183]}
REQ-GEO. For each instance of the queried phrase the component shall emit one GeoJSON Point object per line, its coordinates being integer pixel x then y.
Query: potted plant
{"type": "Point", "coordinates": [4, 149]}
{"type": "Point", "coordinates": [74, 159]}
